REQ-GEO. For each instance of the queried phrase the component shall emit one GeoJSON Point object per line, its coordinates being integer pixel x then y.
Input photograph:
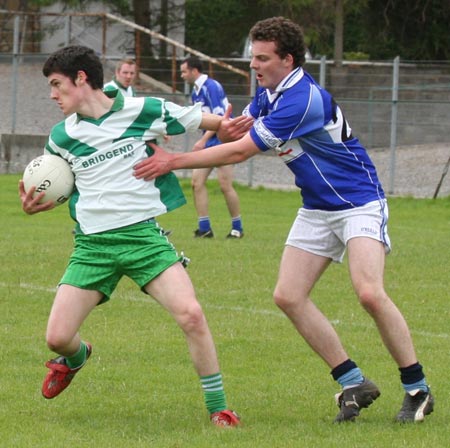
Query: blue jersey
{"type": "Point", "coordinates": [211, 95]}
{"type": "Point", "coordinates": [301, 121]}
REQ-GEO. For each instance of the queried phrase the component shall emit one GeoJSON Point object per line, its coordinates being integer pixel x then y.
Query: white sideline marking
{"type": "Point", "coordinates": [239, 309]}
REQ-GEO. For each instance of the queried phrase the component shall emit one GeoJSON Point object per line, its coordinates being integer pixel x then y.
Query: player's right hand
{"type": "Point", "coordinates": [232, 129]}
{"type": "Point", "coordinates": [30, 204]}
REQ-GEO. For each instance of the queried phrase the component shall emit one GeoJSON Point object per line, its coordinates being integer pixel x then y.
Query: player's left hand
{"type": "Point", "coordinates": [232, 129]}
{"type": "Point", "coordinates": [155, 165]}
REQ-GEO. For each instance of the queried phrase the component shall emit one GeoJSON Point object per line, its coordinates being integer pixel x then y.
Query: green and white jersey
{"type": "Point", "coordinates": [116, 85]}
{"type": "Point", "coordinates": [103, 152]}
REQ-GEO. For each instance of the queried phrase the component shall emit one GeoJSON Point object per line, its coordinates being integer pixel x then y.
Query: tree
{"type": "Point", "coordinates": [382, 29]}
{"type": "Point", "coordinates": [413, 29]}
{"type": "Point", "coordinates": [234, 19]}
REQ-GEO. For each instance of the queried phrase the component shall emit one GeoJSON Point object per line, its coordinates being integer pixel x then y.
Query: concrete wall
{"type": "Point", "coordinates": [16, 151]}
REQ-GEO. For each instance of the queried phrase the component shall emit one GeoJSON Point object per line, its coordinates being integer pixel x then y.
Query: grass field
{"type": "Point", "coordinates": [139, 388]}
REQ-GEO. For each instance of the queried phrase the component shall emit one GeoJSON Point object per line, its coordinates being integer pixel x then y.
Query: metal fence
{"type": "Point", "coordinates": [388, 103]}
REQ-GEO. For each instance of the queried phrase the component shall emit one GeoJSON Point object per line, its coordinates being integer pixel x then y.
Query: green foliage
{"type": "Point", "coordinates": [381, 29]}
{"type": "Point", "coordinates": [414, 30]}
{"type": "Point", "coordinates": [216, 28]}
{"type": "Point", "coordinates": [355, 56]}
{"type": "Point", "coordinates": [233, 19]}
{"type": "Point", "coordinates": [139, 388]}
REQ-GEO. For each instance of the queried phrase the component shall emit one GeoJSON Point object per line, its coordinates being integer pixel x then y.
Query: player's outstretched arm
{"type": "Point", "coordinates": [162, 162]}
{"type": "Point", "coordinates": [31, 205]}
{"type": "Point", "coordinates": [227, 129]}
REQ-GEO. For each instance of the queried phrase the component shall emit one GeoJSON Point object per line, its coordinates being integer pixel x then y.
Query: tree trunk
{"type": "Point", "coordinates": [141, 10]}
{"type": "Point", "coordinates": [339, 33]}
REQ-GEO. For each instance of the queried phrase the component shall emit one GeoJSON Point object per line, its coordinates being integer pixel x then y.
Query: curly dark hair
{"type": "Point", "coordinates": [287, 35]}
{"type": "Point", "coordinates": [70, 60]}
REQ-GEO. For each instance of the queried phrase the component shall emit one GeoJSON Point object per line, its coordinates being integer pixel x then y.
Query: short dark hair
{"type": "Point", "coordinates": [70, 60]}
{"type": "Point", "coordinates": [287, 35]}
{"type": "Point", "coordinates": [194, 62]}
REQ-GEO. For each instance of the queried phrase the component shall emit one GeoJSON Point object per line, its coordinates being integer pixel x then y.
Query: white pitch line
{"type": "Point", "coordinates": [239, 309]}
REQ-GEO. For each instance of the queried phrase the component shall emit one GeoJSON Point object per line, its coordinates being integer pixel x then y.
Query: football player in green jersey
{"type": "Point", "coordinates": [103, 137]}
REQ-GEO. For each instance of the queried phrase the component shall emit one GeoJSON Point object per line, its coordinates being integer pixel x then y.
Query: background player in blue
{"type": "Point", "coordinates": [211, 95]}
{"type": "Point", "coordinates": [344, 207]}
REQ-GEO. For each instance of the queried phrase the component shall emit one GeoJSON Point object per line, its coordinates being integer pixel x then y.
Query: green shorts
{"type": "Point", "coordinates": [140, 251]}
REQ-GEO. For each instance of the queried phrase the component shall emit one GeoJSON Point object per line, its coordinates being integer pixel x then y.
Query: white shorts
{"type": "Point", "coordinates": [326, 233]}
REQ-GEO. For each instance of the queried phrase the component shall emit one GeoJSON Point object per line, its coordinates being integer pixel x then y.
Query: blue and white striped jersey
{"type": "Point", "coordinates": [301, 121]}
{"type": "Point", "coordinates": [210, 94]}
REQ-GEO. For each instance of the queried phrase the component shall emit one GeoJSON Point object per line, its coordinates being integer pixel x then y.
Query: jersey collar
{"type": "Point", "coordinates": [292, 78]}
{"type": "Point", "coordinates": [118, 99]}
{"type": "Point", "coordinates": [116, 106]}
{"type": "Point", "coordinates": [198, 84]}
{"type": "Point", "coordinates": [119, 84]}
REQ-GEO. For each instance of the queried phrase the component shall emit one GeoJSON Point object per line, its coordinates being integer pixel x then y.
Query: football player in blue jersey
{"type": "Point", "coordinates": [344, 208]}
{"type": "Point", "coordinates": [211, 95]}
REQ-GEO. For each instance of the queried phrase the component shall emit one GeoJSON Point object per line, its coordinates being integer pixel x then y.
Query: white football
{"type": "Point", "coordinates": [51, 174]}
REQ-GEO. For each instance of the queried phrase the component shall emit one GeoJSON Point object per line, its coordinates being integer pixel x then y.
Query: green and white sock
{"type": "Point", "coordinates": [79, 358]}
{"type": "Point", "coordinates": [214, 393]}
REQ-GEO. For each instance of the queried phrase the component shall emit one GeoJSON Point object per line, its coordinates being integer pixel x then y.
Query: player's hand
{"type": "Point", "coordinates": [31, 205]}
{"type": "Point", "coordinates": [198, 146]}
{"type": "Point", "coordinates": [232, 129]}
{"type": "Point", "coordinates": [154, 166]}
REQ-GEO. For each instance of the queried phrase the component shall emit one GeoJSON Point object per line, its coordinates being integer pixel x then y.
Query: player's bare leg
{"type": "Point", "coordinates": [225, 178]}
{"type": "Point", "coordinates": [200, 195]}
{"type": "Point", "coordinates": [70, 308]}
{"type": "Point", "coordinates": [299, 271]}
{"type": "Point", "coordinates": [366, 263]}
{"type": "Point", "coordinates": [173, 289]}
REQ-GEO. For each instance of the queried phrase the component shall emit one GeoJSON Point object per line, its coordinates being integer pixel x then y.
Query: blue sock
{"type": "Point", "coordinates": [236, 223]}
{"type": "Point", "coordinates": [204, 224]}
{"type": "Point", "coordinates": [413, 378]}
{"type": "Point", "coordinates": [421, 385]}
{"type": "Point", "coordinates": [352, 378]}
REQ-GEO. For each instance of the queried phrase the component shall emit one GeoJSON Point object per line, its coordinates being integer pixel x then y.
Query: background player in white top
{"type": "Point", "coordinates": [124, 77]}
{"type": "Point", "coordinates": [102, 138]}
{"type": "Point", "coordinates": [343, 208]}
{"type": "Point", "coordinates": [210, 94]}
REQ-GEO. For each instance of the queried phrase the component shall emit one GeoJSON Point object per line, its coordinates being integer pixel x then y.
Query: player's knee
{"type": "Point", "coordinates": [226, 187]}
{"type": "Point", "coordinates": [372, 299]}
{"type": "Point", "coordinates": [282, 300]}
{"type": "Point", "coordinates": [191, 319]}
{"type": "Point", "coordinates": [196, 184]}
{"type": "Point", "coordinates": [57, 342]}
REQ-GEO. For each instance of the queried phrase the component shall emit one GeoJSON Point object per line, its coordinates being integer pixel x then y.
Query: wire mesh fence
{"type": "Point", "coordinates": [387, 105]}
